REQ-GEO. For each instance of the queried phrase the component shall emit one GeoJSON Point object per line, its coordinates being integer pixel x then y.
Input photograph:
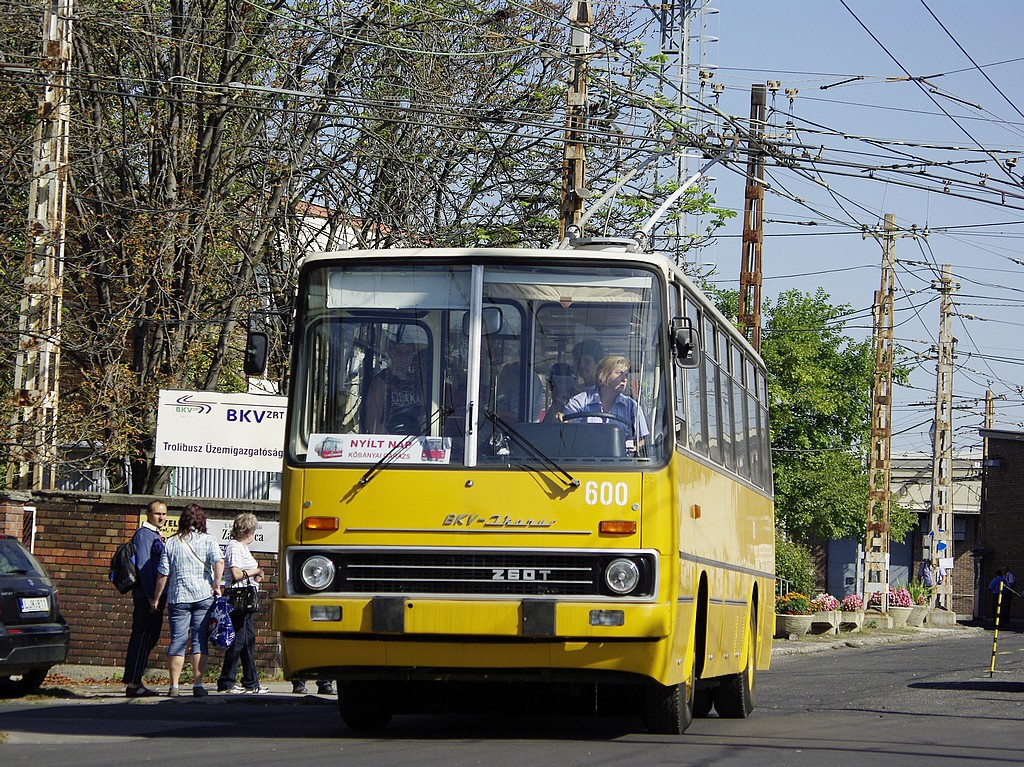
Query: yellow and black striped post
{"type": "Point", "coordinates": [995, 633]}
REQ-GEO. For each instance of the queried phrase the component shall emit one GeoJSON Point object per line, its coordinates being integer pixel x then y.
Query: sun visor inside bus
{"type": "Point", "coordinates": [572, 440]}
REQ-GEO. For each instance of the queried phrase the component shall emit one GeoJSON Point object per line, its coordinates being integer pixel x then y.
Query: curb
{"type": "Point", "coordinates": [799, 647]}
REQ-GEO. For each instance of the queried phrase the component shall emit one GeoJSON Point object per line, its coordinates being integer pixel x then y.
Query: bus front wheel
{"type": "Point", "coordinates": [364, 705]}
{"type": "Point", "coordinates": [669, 710]}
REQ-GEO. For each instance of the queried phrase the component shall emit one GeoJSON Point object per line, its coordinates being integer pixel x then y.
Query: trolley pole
{"type": "Point", "coordinates": [574, 190]}
{"type": "Point", "coordinates": [33, 455]}
{"type": "Point", "coordinates": [876, 543]}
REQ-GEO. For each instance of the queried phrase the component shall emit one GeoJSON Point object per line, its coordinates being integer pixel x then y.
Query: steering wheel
{"type": "Point", "coordinates": [598, 414]}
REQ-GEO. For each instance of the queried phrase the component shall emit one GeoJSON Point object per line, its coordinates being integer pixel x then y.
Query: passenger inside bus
{"type": "Point", "coordinates": [607, 402]}
{"type": "Point", "coordinates": [398, 395]}
{"type": "Point", "coordinates": [586, 354]}
{"type": "Point", "coordinates": [562, 386]}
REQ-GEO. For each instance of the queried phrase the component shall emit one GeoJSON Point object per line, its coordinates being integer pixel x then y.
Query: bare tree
{"type": "Point", "coordinates": [204, 132]}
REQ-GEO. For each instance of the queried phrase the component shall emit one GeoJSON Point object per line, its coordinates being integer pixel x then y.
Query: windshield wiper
{"type": "Point", "coordinates": [388, 458]}
{"type": "Point", "coordinates": [534, 452]}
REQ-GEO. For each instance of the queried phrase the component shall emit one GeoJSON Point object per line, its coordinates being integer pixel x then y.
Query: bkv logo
{"type": "Point", "coordinates": [185, 404]}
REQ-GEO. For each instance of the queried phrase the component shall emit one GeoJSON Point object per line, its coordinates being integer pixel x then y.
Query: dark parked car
{"type": "Point", "coordinates": [33, 635]}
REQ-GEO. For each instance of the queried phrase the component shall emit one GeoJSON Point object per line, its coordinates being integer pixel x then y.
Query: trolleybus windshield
{"type": "Point", "coordinates": [566, 363]}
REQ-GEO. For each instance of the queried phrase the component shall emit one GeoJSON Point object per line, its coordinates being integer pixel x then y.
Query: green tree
{"type": "Point", "coordinates": [794, 563]}
{"type": "Point", "coordinates": [819, 389]}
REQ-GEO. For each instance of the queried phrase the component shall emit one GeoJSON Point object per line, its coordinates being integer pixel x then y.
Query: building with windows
{"type": "Point", "coordinates": [911, 486]}
{"type": "Point", "coordinates": [1001, 538]}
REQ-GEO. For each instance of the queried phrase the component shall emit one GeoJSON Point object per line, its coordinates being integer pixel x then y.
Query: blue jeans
{"type": "Point", "coordinates": [189, 616]}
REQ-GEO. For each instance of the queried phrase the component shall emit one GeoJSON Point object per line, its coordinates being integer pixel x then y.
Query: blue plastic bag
{"type": "Point", "coordinates": [222, 632]}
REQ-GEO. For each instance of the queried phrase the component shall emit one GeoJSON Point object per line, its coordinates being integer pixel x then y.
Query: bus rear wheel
{"type": "Point", "coordinates": [734, 697]}
{"type": "Point", "coordinates": [364, 705]}
{"type": "Point", "coordinates": [703, 700]}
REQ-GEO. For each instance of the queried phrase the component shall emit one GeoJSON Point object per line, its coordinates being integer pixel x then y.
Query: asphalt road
{"type": "Point", "coordinates": [929, 701]}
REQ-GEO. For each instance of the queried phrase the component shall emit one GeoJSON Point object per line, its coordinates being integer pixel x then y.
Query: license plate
{"type": "Point", "coordinates": [35, 604]}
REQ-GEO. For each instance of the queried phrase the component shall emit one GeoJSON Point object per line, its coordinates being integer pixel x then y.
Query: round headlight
{"type": "Point", "coordinates": [317, 573]}
{"type": "Point", "coordinates": [622, 575]}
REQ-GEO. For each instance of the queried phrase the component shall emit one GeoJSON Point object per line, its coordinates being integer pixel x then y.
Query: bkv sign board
{"type": "Point", "coordinates": [214, 430]}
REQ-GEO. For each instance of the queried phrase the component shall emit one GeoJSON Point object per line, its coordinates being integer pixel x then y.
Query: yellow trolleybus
{"type": "Point", "coordinates": [513, 468]}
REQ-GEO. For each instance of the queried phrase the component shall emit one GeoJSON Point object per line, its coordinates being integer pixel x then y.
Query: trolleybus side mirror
{"type": "Point", "coordinates": [490, 321]}
{"type": "Point", "coordinates": [685, 343]}
{"type": "Point", "coordinates": [256, 344]}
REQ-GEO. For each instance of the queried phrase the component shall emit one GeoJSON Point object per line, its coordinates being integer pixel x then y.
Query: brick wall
{"type": "Point", "coordinates": [77, 533]}
{"type": "Point", "coordinates": [964, 552]}
{"type": "Point", "coordinates": [1002, 527]}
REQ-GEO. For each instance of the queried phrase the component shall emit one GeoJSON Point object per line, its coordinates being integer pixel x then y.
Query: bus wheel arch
{"type": "Point", "coordinates": [735, 697]}
{"type": "Point", "coordinates": [703, 697]}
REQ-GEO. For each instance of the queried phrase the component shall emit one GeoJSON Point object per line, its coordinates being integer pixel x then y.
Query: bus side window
{"type": "Point", "coordinates": [753, 438]}
{"type": "Point", "coordinates": [696, 385]}
{"type": "Point", "coordinates": [679, 381]}
{"type": "Point", "coordinates": [709, 378]}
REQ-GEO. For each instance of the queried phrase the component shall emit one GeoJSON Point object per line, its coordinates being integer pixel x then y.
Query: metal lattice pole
{"type": "Point", "coordinates": [876, 542]}
{"type": "Point", "coordinates": [941, 530]}
{"type": "Point", "coordinates": [33, 459]}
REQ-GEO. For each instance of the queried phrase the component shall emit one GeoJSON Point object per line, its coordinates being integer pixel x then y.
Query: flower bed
{"type": "Point", "coordinates": [793, 603]}
{"type": "Point", "coordinates": [897, 598]}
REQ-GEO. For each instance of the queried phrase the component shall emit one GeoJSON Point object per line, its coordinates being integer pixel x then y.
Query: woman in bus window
{"type": "Point", "coordinates": [609, 396]}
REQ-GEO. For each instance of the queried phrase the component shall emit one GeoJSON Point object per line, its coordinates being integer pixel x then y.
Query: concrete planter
{"type": "Point", "coordinates": [792, 625]}
{"type": "Point", "coordinates": [899, 616]}
{"type": "Point", "coordinates": [851, 620]}
{"type": "Point", "coordinates": [825, 622]}
{"type": "Point", "coordinates": [918, 613]}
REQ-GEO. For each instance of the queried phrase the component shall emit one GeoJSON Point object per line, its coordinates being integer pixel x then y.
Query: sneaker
{"type": "Point", "coordinates": [172, 692]}
{"type": "Point", "coordinates": [199, 691]}
{"type": "Point", "coordinates": [236, 690]}
{"type": "Point", "coordinates": [140, 691]}
{"type": "Point", "coordinates": [299, 687]}
{"type": "Point", "coordinates": [260, 690]}
{"type": "Point", "coordinates": [325, 688]}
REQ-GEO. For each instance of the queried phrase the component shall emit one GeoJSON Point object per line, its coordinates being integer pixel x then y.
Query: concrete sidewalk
{"type": "Point", "coordinates": [821, 643]}
{"type": "Point", "coordinates": [103, 681]}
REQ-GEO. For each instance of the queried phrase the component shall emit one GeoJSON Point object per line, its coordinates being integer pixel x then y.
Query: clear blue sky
{"type": "Point", "coordinates": [814, 47]}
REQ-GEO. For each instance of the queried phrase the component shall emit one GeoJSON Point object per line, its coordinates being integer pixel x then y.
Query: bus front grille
{"type": "Point", "coordinates": [472, 573]}
{"type": "Point", "coordinates": [456, 573]}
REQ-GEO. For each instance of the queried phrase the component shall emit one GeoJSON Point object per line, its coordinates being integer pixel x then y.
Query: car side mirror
{"type": "Point", "coordinates": [685, 343]}
{"type": "Point", "coordinates": [256, 344]}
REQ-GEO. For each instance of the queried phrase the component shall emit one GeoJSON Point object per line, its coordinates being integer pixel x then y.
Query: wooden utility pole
{"type": "Point", "coordinates": [938, 544]}
{"type": "Point", "coordinates": [749, 309]}
{"type": "Point", "coordinates": [876, 542]}
{"type": "Point", "coordinates": [574, 189]}
{"type": "Point", "coordinates": [33, 456]}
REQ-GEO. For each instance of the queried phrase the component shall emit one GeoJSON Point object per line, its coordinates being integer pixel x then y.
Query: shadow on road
{"type": "Point", "coordinates": [983, 685]}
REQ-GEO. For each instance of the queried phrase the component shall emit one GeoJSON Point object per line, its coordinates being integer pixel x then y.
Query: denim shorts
{"type": "Point", "coordinates": [185, 616]}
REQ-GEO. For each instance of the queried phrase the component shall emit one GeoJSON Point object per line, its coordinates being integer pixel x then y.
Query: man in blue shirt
{"type": "Point", "coordinates": [147, 623]}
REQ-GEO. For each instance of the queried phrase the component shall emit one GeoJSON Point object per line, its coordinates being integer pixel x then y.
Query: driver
{"type": "Point", "coordinates": [609, 396]}
{"type": "Point", "coordinates": [396, 403]}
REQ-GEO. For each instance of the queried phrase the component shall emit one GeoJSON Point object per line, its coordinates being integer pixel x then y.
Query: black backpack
{"type": "Point", "coordinates": [123, 572]}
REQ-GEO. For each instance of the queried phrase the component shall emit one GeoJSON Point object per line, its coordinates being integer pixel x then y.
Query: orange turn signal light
{"type": "Point", "coordinates": [616, 527]}
{"type": "Point", "coordinates": [322, 523]}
